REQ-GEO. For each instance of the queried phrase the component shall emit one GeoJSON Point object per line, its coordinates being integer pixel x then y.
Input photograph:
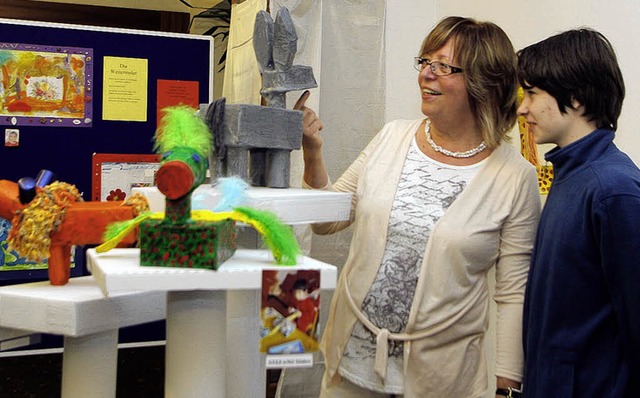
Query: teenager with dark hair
{"type": "Point", "coordinates": [582, 303]}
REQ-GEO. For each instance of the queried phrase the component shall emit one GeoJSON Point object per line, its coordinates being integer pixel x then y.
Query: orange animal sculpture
{"type": "Point", "coordinates": [37, 233]}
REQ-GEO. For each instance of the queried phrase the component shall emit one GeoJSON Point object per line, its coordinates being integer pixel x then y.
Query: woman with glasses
{"type": "Point", "coordinates": [438, 202]}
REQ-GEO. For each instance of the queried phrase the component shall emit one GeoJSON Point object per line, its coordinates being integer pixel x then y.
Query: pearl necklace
{"type": "Point", "coordinates": [438, 148]}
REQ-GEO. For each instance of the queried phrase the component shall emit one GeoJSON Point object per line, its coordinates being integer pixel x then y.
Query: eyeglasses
{"type": "Point", "coordinates": [438, 68]}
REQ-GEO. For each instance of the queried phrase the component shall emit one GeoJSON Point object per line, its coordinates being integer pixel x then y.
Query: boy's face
{"type": "Point", "coordinates": [547, 124]}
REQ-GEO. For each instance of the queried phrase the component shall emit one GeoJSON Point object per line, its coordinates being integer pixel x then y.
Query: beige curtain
{"type": "Point", "coordinates": [242, 80]}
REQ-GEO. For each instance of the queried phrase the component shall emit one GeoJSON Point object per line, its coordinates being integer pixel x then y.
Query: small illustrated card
{"type": "Point", "coordinates": [289, 317]}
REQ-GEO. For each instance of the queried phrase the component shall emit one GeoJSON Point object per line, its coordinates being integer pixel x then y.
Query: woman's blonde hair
{"type": "Point", "coordinates": [489, 61]}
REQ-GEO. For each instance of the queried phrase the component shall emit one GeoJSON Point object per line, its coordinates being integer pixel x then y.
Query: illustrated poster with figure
{"type": "Point", "coordinates": [289, 312]}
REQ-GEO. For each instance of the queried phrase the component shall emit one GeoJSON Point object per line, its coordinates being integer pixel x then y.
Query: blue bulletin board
{"type": "Point", "coordinates": [147, 58]}
{"type": "Point", "coordinates": [74, 90]}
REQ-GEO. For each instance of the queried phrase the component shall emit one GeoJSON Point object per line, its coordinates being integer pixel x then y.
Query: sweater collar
{"type": "Point", "coordinates": [580, 152]}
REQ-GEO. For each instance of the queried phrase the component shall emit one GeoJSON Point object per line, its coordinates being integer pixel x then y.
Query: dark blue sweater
{"type": "Point", "coordinates": [582, 303]}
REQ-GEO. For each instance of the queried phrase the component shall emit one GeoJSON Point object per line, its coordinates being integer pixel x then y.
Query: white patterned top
{"type": "Point", "coordinates": [425, 191]}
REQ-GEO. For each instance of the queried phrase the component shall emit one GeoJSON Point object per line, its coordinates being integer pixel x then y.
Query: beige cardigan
{"type": "Point", "coordinates": [491, 223]}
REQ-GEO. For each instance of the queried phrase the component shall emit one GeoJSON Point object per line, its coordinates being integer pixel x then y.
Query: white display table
{"type": "Point", "coordinates": [88, 322]}
{"type": "Point", "coordinates": [292, 205]}
{"type": "Point", "coordinates": [212, 317]}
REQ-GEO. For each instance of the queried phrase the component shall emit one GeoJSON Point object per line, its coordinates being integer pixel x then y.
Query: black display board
{"type": "Point", "coordinates": [67, 151]}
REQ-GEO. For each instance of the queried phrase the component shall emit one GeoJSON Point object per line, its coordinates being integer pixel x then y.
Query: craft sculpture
{"type": "Point", "coordinates": [53, 218]}
{"type": "Point", "coordinates": [255, 142]}
{"type": "Point", "coordinates": [180, 237]}
{"type": "Point", "coordinates": [530, 152]}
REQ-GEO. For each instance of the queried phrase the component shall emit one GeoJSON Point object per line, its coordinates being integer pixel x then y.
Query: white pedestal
{"type": "Point", "coordinates": [89, 321]}
{"type": "Point", "coordinates": [207, 312]}
{"type": "Point", "coordinates": [90, 365]}
{"type": "Point", "coordinates": [195, 357]}
{"type": "Point", "coordinates": [291, 205]}
{"type": "Point", "coordinates": [243, 358]}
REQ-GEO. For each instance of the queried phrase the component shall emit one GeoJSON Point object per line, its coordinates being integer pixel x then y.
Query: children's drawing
{"type": "Point", "coordinates": [290, 310]}
{"type": "Point", "coordinates": [45, 85]}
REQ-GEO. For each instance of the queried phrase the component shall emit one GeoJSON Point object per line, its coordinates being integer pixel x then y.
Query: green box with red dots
{"type": "Point", "coordinates": [187, 245]}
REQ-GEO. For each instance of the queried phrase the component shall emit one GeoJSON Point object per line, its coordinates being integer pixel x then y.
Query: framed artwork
{"type": "Point", "coordinates": [45, 85]}
{"type": "Point", "coordinates": [114, 175]}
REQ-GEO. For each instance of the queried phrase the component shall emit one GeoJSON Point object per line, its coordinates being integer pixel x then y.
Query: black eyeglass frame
{"type": "Point", "coordinates": [419, 62]}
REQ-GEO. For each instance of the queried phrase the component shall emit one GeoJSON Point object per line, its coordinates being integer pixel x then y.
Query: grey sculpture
{"type": "Point", "coordinates": [255, 142]}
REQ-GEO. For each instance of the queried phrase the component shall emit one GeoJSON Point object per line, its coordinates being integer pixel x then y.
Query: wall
{"type": "Point", "coordinates": [406, 27]}
{"type": "Point", "coordinates": [525, 22]}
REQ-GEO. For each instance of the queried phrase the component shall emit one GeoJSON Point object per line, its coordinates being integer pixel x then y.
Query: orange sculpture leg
{"type": "Point", "coordinates": [59, 264]}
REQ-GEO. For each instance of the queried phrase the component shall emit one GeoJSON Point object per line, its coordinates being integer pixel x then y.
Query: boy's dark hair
{"type": "Point", "coordinates": [577, 64]}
